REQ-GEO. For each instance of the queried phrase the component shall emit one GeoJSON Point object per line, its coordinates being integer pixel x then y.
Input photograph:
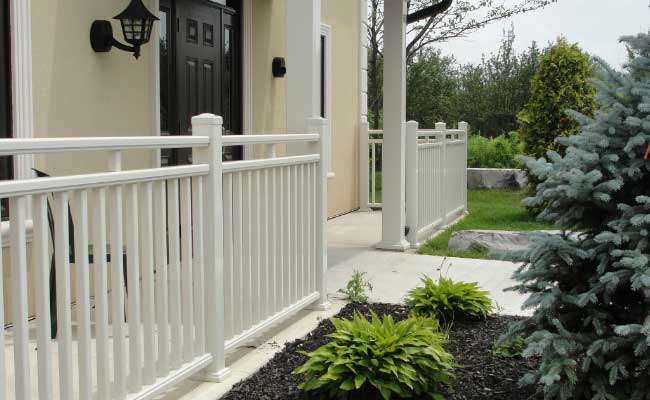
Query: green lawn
{"type": "Point", "coordinates": [488, 209]}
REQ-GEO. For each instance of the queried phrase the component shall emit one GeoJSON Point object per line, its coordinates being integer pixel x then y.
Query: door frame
{"type": "Point", "coordinates": [247, 75]}
{"type": "Point", "coordinates": [326, 90]}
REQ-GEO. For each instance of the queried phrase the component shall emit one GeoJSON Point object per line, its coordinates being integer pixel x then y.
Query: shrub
{"type": "Point", "coordinates": [591, 292]}
{"type": "Point", "coordinates": [355, 291]}
{"type": "Point", "coordinates": [561, 82]}
{"type": "Point", "coordinates": [448, 300]}
{"type": "Point", "coordinates": [498, 152]}
{"type": "Point", "coordinates": [380, 359]}
{"type": "Point", "coordinates": [510, 348]}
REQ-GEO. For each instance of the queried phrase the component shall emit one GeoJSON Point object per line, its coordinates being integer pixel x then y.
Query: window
{"type": "Point", "coordinates": [6, 164]}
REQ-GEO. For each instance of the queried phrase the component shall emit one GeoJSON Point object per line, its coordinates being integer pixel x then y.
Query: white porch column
{"type": "Point", "coordinates": [393, 169]}
{"type": "Point", "coordinates": [303, 66]}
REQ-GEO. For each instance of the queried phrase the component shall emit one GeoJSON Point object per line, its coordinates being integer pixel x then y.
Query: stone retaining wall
{"type": "Point", "coordinates": [492, 178]}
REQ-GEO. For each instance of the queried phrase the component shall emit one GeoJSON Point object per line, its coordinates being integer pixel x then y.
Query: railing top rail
{"type": "Point", "coordinates": [25, 187]}
{"type": "Point", "coordinates": [430, 132]}
{"type": "Point", "coordinates": [236, 166]}
{"type": "Point", "coordinates": [238, 140]}
{"type": "Point", "coordinates": [376, 131]}
{"type": "Point", "coordinates": [44, 145]}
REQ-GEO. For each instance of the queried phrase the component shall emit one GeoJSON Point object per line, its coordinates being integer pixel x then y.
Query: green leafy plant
{"type": "Point", "coordinates": [380, 359]}
{"type": "Point", "coordinates": [355, 291]}
{"type": "Point", "coordinates": [498, 152]}
{"type": "Point", "coordinates": [448, 300]}
{"type": "Point", "coordinates": [511, 348]}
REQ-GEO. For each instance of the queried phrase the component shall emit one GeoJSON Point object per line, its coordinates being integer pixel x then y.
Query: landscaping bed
{"type": "Point", "coordinates": [482, 375]}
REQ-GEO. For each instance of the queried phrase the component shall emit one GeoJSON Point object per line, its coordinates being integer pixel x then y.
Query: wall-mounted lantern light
{"type": "Point", "coordinates": [137, 23]}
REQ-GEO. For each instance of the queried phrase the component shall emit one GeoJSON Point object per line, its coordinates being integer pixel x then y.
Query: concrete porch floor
{"type": "Point", "coordinates": [351, 247]}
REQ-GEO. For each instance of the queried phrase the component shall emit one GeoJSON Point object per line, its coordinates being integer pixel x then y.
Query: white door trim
{"type": "Point", "coordinates": [247, 73]}
{"type": "Point", "coordinates": [326, 31]}
{"type": "Point", "coordinates": [20, 22]}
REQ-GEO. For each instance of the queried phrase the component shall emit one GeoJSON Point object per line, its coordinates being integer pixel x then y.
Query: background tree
{"type": "Point", "coordinates": [461, 19]}
{"type": "Point", "coordinates": [488, 95]}
{"type": "Point", "coordinates": [432, 86]}
{"type": "Point", "coordinates": [591, 292]}
{"type": "Point", "coordinates": [562, 82]}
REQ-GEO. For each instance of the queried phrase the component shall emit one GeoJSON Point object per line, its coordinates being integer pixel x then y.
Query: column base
{"type": "Point", "coordinates": [217, 377]}
{"type": "Point", "coordinates": [399, 246]}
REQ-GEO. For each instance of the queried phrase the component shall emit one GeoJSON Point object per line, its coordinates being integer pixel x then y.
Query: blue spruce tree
{"type": "Point", "coordinates": [590, 286]}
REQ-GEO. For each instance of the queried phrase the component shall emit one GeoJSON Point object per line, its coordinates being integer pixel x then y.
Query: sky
{"type": "Point", "coordinates": [595, 25]}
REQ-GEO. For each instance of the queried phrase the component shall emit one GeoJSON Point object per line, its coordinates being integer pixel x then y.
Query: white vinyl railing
{"type": "Point", "coordinates": [370, 181]}
{"type": "Point", "coordinates": [171, 267]}
{"type": "Point", "coordinates": [436, 178]}
{"type": "Point", "coordinates": [436, 175]}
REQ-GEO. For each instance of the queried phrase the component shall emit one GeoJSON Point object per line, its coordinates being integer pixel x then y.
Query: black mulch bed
{"type": "Point", "coordinates": [483, 376]}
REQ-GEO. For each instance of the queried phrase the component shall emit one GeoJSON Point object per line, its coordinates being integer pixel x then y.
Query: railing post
{"type": "Point", "coordinates": [317, 125]}
{"type": "Point", "coordinates": [442, 127]}
{"type": "Point", "coordinates": [412, 182]}
{"type": "Point", "coordinates": [364, 173]}
{"type": "Point", "coordinates": [212, 126]}
{"type": "Point", "coordinates": [464, 126]}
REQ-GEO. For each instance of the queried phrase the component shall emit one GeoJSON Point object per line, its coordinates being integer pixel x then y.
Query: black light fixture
{"type": "Point", "coordinates": [137, 23]}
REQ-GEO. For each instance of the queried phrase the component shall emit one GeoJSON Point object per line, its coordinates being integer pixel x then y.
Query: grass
{"type": "Point", "coordinates": [488, 209]}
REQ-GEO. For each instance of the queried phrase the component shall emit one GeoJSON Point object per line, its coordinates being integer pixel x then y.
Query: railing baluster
{"type": "Point", "coordinates": [83, 295]}
{"type": "Point", "coordinates": [198, 265]}
{"type": "Point", "coordinates": [19, 295]}
{"type": "Point", "coordinates": [254, 246]}
{"type": "Point", "coordinates": [161, 262]}
{"type": "Point", "coordinates": [117, 281]}
{"type": "Point", "coordinates": [302, 224]}
{"type": "Point", "coordinates": [187, 273]}
{"type": "Point", "coordinates": [275, 266]}
{"type": "Point", "coordinates": [41, 264]}
{"type": "Point", "coordinates": [148, 283]}
{"type": "Point", "coordinates": [174, 274]}
{"type": "Point", "coordinates": [266, 255]}
{"type": "Point", "coordinates": [247, 243]}
{"type": "Point", "coordinates": [133, 288]}
{"type": "Point", "coordinates": [286, 234]}
{"type": "Point", "coordinates": [238, 253]}
{"type": "Point", "coordinates": [63, 297]}
{"type": "Point", "coordinates": [3, 368]}
{"type": "Point", "coordinates": [295, 248]}
{"type": "Point", "coordinates": [373, 167]}
{"type": "Point", "coordinates": [101, 294]}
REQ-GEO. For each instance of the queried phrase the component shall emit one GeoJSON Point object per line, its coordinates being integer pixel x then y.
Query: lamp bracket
{"type": "Point", "coordinates": [102, 39]}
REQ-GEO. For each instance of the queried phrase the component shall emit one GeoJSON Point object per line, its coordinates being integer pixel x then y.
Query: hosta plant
{"type": "Point", "coordinates": [448, 300]}
{"type": "Point", "coordinates": [379, 359]}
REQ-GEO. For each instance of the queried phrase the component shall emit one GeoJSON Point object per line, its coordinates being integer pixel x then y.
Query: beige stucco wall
{"type": "Point", "coordinates": [78, 92]}
{"type": "Point", "coordinates": [343, 16]}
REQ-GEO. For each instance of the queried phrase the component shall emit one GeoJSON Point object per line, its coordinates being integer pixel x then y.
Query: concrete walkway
{"type": "Point", "coordinates": [351, 247]}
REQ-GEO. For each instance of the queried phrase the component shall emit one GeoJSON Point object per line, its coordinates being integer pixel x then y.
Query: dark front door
{"type": "Point", "coordinates": [5, 97]}
{"type": "Point", "coordinates": [200, 64]}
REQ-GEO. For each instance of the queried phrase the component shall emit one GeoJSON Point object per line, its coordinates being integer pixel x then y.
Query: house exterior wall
{"type": "Point", "coordinates": [344, 16]}
{"type": "Point", "coordinates": [78, 92]}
